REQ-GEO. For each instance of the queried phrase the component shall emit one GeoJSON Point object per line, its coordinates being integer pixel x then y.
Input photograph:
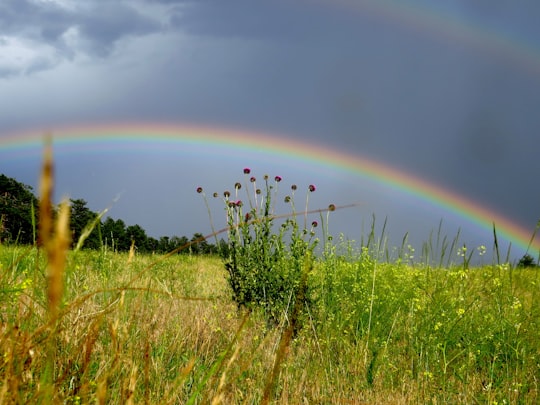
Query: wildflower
{"type": "Point", "coordinates": [277, 179]}
{"type": "Point", "coordinates": [331, 207]}
{"type": "Point", "coordinates": [516, 304]}
{"type": "Point", "coordinates": [248, 216]}
{"type": "Point", "coordinates": [232, 204]}
{"type": "Point", "coordinates": [252, 179]}
{"type": "Point", "coordinates": [199, 190]}
{"type": "Point", "coordinates": [287, 199]}
{"type": "Point", "coordinates": [247, 170]}
{"type": "Point", "coordinates": [237, 186]}
{"type": "Point", "coordinates": [481, 250]}
{"type": "Point", "coordinates": [238, 203]}
{"type": "Point", "coordinates": [258, 191]}
{"type": "Point", "coordinates": [312, 188]}
{"type": "Point", "coordinates": [266, 177]}
{"type": "Point", "coordinates": [293, 187]}
{"type": "Point", "coordinates": [314, 224]}
{"type": "Point", "coordinates": [227, 194]}
{"type": "Point", "coordinates": [215, 195]}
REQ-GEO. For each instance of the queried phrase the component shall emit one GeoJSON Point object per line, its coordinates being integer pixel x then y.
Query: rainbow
{"type": "Point", "coordinates": [450, 26]}
{"type": "Point", "coordinates": [200, 137]}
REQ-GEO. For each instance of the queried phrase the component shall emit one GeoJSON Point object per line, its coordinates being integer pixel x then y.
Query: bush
{"type": "Point", "coordinates": [526, 261]}
{"type": "Point", "coordinates": [267, 263]}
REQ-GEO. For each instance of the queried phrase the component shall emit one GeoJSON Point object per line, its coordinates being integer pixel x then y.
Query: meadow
{"type": "Point", "coordinates": [337, 325]}
{"type": "Point", "coordinates": [165, 330]}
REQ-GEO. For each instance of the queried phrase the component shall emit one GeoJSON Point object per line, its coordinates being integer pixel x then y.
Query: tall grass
{"type": "Point", "coordinates": [103, 327]}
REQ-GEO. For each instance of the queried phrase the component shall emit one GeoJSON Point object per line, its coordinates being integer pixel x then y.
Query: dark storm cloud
{"type": "Point", "coordinates": [91, 28]}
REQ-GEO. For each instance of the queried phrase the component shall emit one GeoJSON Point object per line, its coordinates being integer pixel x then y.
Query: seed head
{"type": "Point", "coordinates": [331, 207]}
{"type": "Point", "coordinates": [287, 199]}
{"type": "Point", "coordinates": [237, 186]}
{"type": "Point", "coordinates": [215, 195]}
{"type": "Point", "coordinates": [258, 191]}
{"type": "Point", "coordinates": [227, 194]}
{"type": "Point", "coordinates": [293, 187]}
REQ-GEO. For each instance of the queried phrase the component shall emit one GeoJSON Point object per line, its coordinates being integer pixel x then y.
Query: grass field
{"type": "Point", "coordinates": [148, 329]}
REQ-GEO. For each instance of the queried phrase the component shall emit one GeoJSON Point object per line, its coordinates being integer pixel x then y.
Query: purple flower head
{"type": "Point", "coordinates": [277, 179]}
{"type": "Point", "coordinates": [252, 179]}
{"type": "Point", "coordinates": [314, 224]}
{"type": "Point", "coordinates": [248, 216]}
{"type": "Point", "coordinates": [247, 170]}
{"type": "Point", "coordinates": [199, 190]}
{"type": "Point", "coordinates": [312, 188]}
{"type": "Point", "coordinates": [238, 203]}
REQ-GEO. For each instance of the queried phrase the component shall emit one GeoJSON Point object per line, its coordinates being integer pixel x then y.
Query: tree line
{"type": "Point", "coordinates": [19, 223]}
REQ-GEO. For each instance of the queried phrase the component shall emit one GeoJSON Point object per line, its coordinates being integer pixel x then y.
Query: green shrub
{"type": "Point", "coordinates": [267, 255]}
{"type": "Point", "coordinates": [526, 261]}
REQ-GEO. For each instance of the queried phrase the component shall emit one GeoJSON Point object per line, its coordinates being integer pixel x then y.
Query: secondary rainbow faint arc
{"type": "Point", "coordinates": [451, 26]}
{"type": "Point", "coordinates": [265, 143]}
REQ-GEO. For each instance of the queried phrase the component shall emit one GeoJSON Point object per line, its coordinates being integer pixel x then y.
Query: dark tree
{"type": "Point", "coordinates": [179, 243]}
{"type": "Point", "coordinates": [152, 244]}
{"type": "Point", "coordinates": [163, 245]}
{"type": "Point", "coordinates": [526, 261]}
{"type": "Point", "coordinates": [16, 201]}
{"type": "Point", "coordinates": [199, 244]}
{"type": "Point", "coordinates": [138, 235]}
{"type": "Point", "coordinates": [114, 234]}
{"type": "Point", "coordinates": [81, 217]}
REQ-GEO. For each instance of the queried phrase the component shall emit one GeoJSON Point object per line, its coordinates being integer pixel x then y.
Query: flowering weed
{"type": "Point", "coordinates": [266, 260]}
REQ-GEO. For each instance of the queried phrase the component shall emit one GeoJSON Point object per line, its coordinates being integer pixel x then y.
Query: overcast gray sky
{"type": "Point", "coordinates": [448, 92]}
